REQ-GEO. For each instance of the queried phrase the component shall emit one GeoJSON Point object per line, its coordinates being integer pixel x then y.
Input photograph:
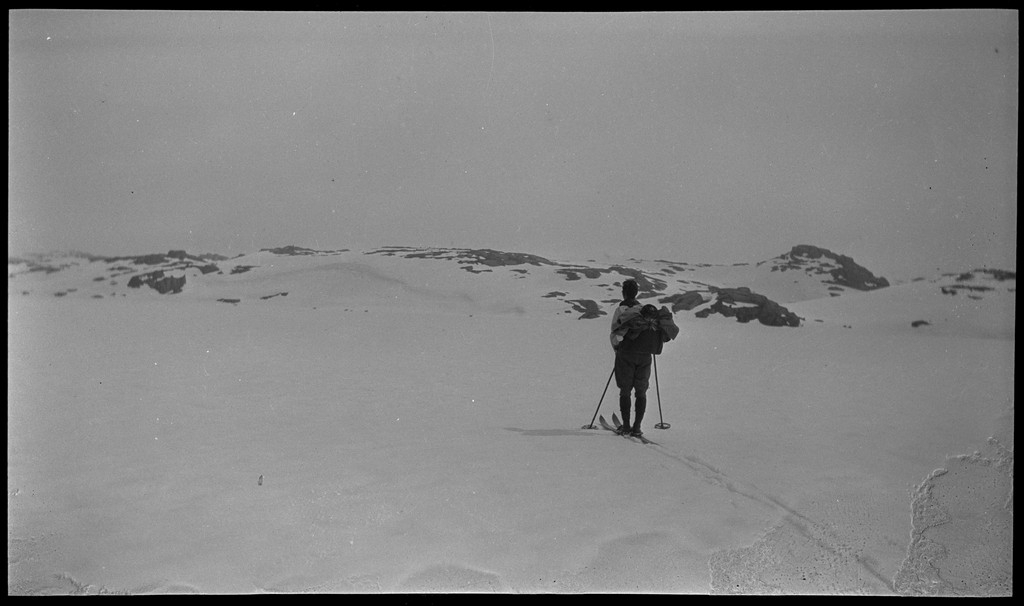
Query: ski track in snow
{"type": "Point", "coordinates": [793, 518]}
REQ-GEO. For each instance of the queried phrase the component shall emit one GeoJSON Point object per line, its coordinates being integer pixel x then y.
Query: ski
{"type": "Point", "coordinates": [615, 429]}
{"type": "Point", "coordinates": [606, 424]}
{"type": "Point", "coordinates": [618, 424]}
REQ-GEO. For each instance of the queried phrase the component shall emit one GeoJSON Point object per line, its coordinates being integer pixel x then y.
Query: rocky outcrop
{"type": "Point", "coordinates": [683, 301]}
{"type": "Point", "coordinates": [587, 308]}
{"type": "Point", "coordinates": [746, 306]}
{"type": "Point", "coordinates": [480, 256]}
{"type": "Point", "coordinates": [977, 282]}
{"type": "Point", "coordinates": [158, 258]}
{"type": "Point", "coordinates": [497, 258]}
{"type": "Point", "coordinates": [299, 251]}
{"type": "Point", "coordinates": [158, 282]}
{"type": "Point", "coordinates": [848, 274]}
{"type": "Point", "coordinates": [648, 286]}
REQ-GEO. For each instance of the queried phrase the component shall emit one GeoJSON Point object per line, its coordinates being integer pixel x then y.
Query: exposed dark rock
{"type": "Point", "coordinates": [751, 306]}
{"type": "Point", "coordinates": [155, 259]}
{"type": "Point", "coordinates": [290, 251]}
{"type": "Point", "coordinates": [649, 287]}
{"type": "Point", "coordinates": [954, 289]}
{"type": "Point", "coordinates": [182, 256]}
{"type": "Point", "coordinates": [588, 308]}
{"type": "Point", "coordinates": [996, 274]}
{"type": "Point", "coordinates": [574, 273]}
{"type": "Point", "coordinates": [917, 323]}
{"type": "Point", "coordinates": [848, 273]}
{"type": "Point", "coordinates": [481, 256]}
{"type": "Point", "coordinates": [241, 269]}
{"type": "Point", "coordinates": [683, 301]}
{"type": "Point", "coordinates": [45, 268]}
{"type": "Point", "coordinates": [1000, 274]}
{"type": "Point", "coordinates": [158, 282]}
{"type": "Point", "coordinates": [494, 258]}
{"type": "Point", "coordinates": [232, 301]}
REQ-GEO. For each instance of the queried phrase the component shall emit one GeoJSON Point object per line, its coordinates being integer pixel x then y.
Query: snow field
{"type": "Point", "coordinates": [410, 447]}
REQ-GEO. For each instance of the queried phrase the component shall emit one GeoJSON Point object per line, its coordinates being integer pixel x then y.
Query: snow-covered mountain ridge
{"type": "Point", "coordinates": [483, 280]}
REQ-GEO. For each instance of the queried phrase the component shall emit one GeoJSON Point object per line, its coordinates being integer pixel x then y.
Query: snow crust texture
{"type": "Point", "coordinates": [969, 504]}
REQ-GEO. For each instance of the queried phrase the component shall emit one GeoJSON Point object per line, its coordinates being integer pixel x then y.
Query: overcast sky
{"type": "Point", "coordinates": [725, 137]}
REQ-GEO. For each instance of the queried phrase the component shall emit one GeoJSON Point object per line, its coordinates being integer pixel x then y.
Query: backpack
{"type": "Point", "coordinates": [644, 334]}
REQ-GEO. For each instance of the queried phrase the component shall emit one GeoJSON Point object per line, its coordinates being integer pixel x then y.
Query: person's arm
{"type": "Point", "coordinates": [616, 335]}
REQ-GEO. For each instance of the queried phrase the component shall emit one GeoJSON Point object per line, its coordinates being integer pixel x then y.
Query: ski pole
{"type": "Point", "coordinates": [592, 426]}
{"type": "Point", "coordinates": [657, 389]}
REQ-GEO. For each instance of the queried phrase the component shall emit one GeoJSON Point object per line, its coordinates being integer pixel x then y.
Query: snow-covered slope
{"type": "Point", "coordinates": [494, 280]}
{"type": "Point", "coordinates": [409, 420]}
{"type": "Point", "coordinates": [977, 303]}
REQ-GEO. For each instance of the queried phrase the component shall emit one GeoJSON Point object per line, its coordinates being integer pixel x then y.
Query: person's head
{"type": "Point", "coordinates": [649, 311]}
{"type": "Point", "coordinates": [629, 289]}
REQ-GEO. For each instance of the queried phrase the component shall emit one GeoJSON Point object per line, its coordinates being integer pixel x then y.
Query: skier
{"type": "Point", "coordinates": [637, 333]}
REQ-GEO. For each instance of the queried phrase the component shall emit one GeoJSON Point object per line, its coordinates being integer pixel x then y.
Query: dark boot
{"type": "Point", "coordinates": [624, 402]}
{"type": "Point", "coordinates": [641, 407]}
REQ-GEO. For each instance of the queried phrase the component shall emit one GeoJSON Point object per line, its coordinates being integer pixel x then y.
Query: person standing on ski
{"type": "Point", "coordinates": [638, 332]}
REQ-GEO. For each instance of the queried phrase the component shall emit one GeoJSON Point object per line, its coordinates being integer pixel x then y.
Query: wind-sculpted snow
{"type": "Point", "coordinates": [967, 504]}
